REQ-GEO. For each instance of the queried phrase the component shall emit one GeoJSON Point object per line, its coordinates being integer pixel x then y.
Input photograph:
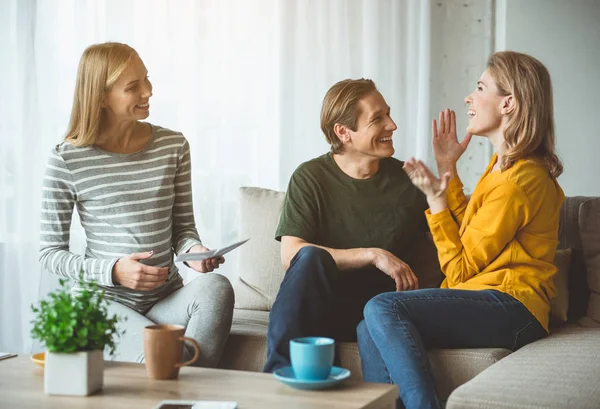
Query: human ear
{"type": "Point", "coordinates": [508, 105]}
{"type": "Point", "coordinates": [342, 133]}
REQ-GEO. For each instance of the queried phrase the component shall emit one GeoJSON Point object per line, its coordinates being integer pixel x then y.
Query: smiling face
{"type": "Point", "coordinates": [128, 98]}
{"type": "Point", "coordinates": [485, 107]}
{"type": "Point", "coordinates": [374, 129]}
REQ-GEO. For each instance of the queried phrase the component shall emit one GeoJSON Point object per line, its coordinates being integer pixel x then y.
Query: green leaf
{"type": "Point", "coordinates": [69, 323]}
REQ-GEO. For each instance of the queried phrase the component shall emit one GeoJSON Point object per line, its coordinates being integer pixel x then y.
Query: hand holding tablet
{"type": "Point", "coordinates": [209, 254]}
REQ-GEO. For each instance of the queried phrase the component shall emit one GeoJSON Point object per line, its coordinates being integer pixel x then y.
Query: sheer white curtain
{"type": "Point", "coordinates": [243, 79]}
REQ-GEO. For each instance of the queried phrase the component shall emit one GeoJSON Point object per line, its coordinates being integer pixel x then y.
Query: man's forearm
{"type": "Point", "coordinates": [351, 259]}
{"type": "Point", "coordinates": [347, 259]}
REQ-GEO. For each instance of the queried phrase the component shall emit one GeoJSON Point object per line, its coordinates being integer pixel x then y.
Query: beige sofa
{"type": "Point", "coordinates": [561, 371]}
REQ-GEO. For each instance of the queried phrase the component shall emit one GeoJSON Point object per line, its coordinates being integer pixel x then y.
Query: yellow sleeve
{"type": "Point", "coordinates": [494, 225]}
{"type": "Point", "coordinates": [457, 201]}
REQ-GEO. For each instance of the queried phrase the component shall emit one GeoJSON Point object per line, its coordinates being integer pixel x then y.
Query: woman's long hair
{"type": "Point", "coordinates": [99, 68]}
{"type": "Point", "coordinates": [530, 130]}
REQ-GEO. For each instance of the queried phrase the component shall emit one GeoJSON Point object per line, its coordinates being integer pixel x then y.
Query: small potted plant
{"type": "Point", "coordinates": [76, 329]}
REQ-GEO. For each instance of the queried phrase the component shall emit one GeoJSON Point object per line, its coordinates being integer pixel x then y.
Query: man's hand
{"type": "Point", "coordinates": [397, 269]}
{"type": "Point", "coordinates": [130, 273]}
{"type": "Point", "coordinates": [204, 266]}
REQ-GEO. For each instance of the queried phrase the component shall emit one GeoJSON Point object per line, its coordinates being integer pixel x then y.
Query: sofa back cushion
{"type": "Point", "coordinates": [259, 264]}
{"type": "Point", "coordinates": [589, 227]}
{"type": "Point", "coordinates": [559, 305]}
{"type": "Point", "coordinates": [570, 237]}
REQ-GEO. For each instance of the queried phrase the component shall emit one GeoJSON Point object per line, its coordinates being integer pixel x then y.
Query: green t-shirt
{"type": "Point", "coordinates": [326, 207]}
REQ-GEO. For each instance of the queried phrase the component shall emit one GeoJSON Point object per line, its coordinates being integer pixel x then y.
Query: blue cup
{"type": "Point", "coordinates": [312, 357]}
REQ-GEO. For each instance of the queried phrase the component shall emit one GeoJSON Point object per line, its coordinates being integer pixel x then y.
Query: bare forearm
{"type": "Point", "coordinates": [347, 259]}
{"type": "Point", "coordinates": [351, 259]}
{"type": "Point", "coordinates": [456, 201]}
{"type": "Point", "coordinates": [437, 203]}
{"type": "Point", "coordinates": [447, 167]}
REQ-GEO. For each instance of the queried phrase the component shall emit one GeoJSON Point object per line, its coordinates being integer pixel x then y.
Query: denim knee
{"type": "Point", "coordinates": [378, 306]}
{"type": "Point", "coordinates": [313, 262]}
{"type": "Point", "coordinates": [312, 254]}
{"type": "Point", "coordinates": [362, 330]}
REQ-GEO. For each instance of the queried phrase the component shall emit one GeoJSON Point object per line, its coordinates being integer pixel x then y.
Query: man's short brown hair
{"type": "Point", "coordinates": [340, 106]}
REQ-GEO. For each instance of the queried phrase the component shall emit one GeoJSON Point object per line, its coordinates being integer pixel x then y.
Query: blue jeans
{"type": "Point", "coordinates": [316, 299]}
{"type": "Point", "coordinates": [399, 328]}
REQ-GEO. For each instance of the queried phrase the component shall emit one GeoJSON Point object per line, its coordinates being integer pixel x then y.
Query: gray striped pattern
{"type": "Point", "coordinates": [127, 203]}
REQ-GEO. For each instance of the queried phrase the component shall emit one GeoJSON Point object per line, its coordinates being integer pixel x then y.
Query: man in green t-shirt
{"type": "Point", "coordinates": [347, 226]}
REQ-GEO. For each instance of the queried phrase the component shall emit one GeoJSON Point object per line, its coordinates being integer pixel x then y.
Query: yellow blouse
{"type": "Point", "coordinates": [504, 238]}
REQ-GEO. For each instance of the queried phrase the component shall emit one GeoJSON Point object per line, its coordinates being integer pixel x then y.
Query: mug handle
{"type": "Point", "coordinates": [196, 352]}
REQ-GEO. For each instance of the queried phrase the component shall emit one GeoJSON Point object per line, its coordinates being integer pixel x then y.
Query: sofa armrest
{"type": "Point", "coordinates": [560, 371]}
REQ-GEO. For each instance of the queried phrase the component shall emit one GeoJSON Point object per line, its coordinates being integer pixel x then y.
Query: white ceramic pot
{"type": "Point", "coordinates": [77, 373]}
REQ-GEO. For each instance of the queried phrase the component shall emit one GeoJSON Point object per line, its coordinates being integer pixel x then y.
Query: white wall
{"type": "Point", "coordinates": [461, 41]}
{"type": "Point", "coordinates": [565, 36]}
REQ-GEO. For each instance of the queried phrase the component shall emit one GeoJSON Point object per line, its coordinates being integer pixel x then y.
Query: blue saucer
{"type": "Point", "coordinates": [286, 375]}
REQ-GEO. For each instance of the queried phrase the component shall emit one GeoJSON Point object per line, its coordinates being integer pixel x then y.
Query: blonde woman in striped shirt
{"type": "Point", "coordinates": [131, 183]}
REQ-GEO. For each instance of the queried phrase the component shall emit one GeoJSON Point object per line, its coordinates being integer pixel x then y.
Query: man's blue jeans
{"type": "Point", "coordinates": [316, 299]}
{"type": "Point", "coordinates": [399, 328]}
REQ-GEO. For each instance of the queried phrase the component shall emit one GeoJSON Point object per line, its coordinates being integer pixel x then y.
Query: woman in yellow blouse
{"type": "Point", "coordinates": [496, 250]}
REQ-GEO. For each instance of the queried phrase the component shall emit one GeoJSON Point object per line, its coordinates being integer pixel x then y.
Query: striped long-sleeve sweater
{"type": "Point", "coordinates": [127, 203]}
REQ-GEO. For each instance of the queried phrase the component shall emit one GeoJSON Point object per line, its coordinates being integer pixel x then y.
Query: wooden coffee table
{"type": "Point", "coordinates": [127, 386]}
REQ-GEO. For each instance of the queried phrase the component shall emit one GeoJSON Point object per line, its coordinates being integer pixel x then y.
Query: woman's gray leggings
{"type": "Point", "coordinates": [204, 307]}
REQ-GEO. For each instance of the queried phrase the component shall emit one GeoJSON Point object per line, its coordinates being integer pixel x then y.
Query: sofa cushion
{"type": "Point", "coordinates": [246, 347]}
{"type": "Point", "coordinates": [453, 367]}
{"type": "Point", "coordinates": [259, 264]}
{"type": "Point", "coordinates": [589, 227]}
{"type": "Point", "coordinates": [559, 305]}
{"type": "Point", "coordinates": [560, 371]}
{"type": "Point", "coordinates": [246, 350]}
{"type": "Point", "coordinates": [250, 322]}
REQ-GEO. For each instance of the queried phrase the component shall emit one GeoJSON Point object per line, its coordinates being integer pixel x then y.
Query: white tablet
{"type": "Point", "coordinates": [209, 254]}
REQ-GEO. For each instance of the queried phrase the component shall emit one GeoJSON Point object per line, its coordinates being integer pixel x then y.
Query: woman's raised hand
{"type": "Point", "coordinates": [446, 148]}
{"type": "Point", "coordinates": [425, 180]}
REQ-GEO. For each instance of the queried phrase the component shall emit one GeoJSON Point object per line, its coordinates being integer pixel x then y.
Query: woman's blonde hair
{"type": "Point", "coordinates": [340, 106]}
{"type": "Point", "coordinates": [530, 130]}
{"type": "Point", "coordinates": [99, 68]}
